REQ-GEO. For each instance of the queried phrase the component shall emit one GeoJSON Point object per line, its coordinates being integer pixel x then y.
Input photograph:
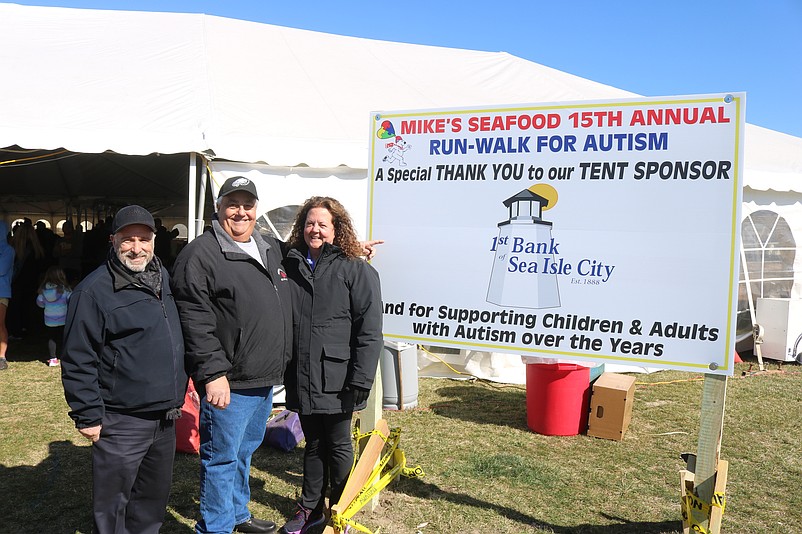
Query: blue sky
{"type": "Point", "coordinates": [652, 48]}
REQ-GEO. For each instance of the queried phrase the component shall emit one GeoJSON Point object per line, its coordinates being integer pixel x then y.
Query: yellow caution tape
{"type": "Point", "coordinates": [394, 460]}
{"type": "Point", "coordinates": [695, 511]}
{"type": "Point", "coordinates": [719, 500]}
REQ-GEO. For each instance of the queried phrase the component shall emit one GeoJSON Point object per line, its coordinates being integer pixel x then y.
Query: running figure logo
{"type": "Point", "coordinates": [396, 146]}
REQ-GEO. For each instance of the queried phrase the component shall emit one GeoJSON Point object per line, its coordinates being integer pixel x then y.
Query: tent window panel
{"type": "Point", "coordinates": [757, 290]}
{"type": "Point", "coordinates": [182, 230]}
{"type": "Point", "coordinates": [769, 253]}
{"type": "Point", "coordinates": [743, 298]}
{"type": "Point", "coordinates": [775, 271]}
{"type": "Point", "coordinates": [777, 289]}
{"type": "Point", "coordinates": [748, 236]}
{"type": "Point", "coordinates": [278, 222]}
{"type": "Point", "coordinates": [781, 236]}
{"type": "Point", "coordinates": [778, 264]}
{"type": "Point", "coordinates": [764, 221]}
{"type": "Point", "coordinates": [743, 319]}
{"type": "Point", "coordinates": [754, 263]}
{"type": "Point", "coordinates": [744, 322]}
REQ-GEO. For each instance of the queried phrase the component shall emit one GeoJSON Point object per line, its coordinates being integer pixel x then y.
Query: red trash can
{"type": "Point", "coordinates": [557, 398]}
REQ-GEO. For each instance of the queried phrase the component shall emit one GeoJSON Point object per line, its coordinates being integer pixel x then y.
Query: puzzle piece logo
{"type": "Point", "coordinates": [386, 131]}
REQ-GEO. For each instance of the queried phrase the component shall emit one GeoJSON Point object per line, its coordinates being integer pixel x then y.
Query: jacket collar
{"type": "Point", "coordinates": [328, 253]}
{"type": "Point", "coordinates": [122, 277]}
{"type": "Point", "coordinates": [229, 246]}
{"type": "Point", "coordinates": [232, 250]}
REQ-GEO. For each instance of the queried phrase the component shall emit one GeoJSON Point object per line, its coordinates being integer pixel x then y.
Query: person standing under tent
{"type": "Point", "coordinates": [29, 262]}
{"type": "Point", "coordinates": [6, 271]}
{"type": "Point", "coordinates": [54, 293]}
{"type": "Point", "coordinates": [164, 243]}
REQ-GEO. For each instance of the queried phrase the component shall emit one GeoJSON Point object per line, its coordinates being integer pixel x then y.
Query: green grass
{"type": "Point", "coordinates": [485, 470]}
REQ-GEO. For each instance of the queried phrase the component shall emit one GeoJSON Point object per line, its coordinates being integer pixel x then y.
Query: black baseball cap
{"type": "Point", "coordinates": [238, 183]}
{"type": "Point", "coordinates": [132, 215]}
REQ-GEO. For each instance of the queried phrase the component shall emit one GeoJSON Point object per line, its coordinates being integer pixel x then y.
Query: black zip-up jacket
{"type": "Point", "coordinates": [337, 316]}
{"type": "Point", "coordinates": [123, 349]}
{"type": "Point", "coordinates": [236, 314]}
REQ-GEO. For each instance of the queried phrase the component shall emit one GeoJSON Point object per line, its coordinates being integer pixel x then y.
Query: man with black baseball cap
{"type": "Point", "coordinates": [132, 215]}
{"type": "Point", "coordinates": [124, 378]}
{"type": "Point", "coordinates": [238, 183]}
{"type": "Point", "coordinates": [235, 307]}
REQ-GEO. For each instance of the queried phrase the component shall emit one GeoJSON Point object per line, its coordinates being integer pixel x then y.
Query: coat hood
{"type": "Point", "coordinates": [51, 292]}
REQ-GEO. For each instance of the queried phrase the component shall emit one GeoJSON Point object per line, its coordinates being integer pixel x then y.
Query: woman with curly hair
{"type": "Point", "coordinates": [337, 340]}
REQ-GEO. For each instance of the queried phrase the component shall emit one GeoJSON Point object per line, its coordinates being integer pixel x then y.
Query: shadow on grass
{"type": "Point", "coordinates": [184, 492]}
{"type": "Point", "coordinates": [287, 466]}
{"type": "Point", "coordinates": [31, 348]}
{"type": "Point", "coordinates": [423, 490]}
{"type": "Point", "coordinates": [53, 496]}
{"type": "Point", "coordinates": [484, 404]}
{"type": "Point", "coordinates": [56, 494]}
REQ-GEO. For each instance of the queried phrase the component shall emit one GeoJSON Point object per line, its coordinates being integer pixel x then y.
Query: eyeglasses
{"type": "Point", "coordinates": [247, 206]}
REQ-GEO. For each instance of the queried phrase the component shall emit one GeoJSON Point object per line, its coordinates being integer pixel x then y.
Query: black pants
{"type": "Point", "coordinates": [132, 469]}
{"type": "Point", "coordinates": [328, 457]}
{"type": "Point", "coordinates": [56, 335]}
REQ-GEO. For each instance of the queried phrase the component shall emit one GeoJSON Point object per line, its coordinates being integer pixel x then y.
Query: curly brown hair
{"type": "Point", "coordinates": [344, 233]}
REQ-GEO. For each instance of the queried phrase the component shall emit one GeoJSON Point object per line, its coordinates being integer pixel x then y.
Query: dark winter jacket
{"type": "Point", "coordinates": [337, 331]}
{"type": "Point", "coordinates": [123, 348]}
{"type": "Point", "coordinates": [236, 314]}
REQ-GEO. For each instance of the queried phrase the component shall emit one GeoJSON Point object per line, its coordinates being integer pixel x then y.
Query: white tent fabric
{"type": "Point", "coordinates": [773, 160]}
{"type": "Point", "coordinates": [91, 81]}
{"type": "Point", "coordinates": [140, 83]}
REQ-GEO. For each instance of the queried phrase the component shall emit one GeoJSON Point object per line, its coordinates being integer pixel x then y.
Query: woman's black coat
{"type": "Point", "coordinates": [337, 331]}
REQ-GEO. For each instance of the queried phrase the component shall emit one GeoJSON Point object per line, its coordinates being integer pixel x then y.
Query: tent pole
{"type": "Point", "coordinates": [192, 228]}
{"type": "Point", "coordinates": [201, 197]}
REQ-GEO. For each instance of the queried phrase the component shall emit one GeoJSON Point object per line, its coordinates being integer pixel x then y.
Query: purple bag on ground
{"type": "Point", "coordinates": [283, 431]}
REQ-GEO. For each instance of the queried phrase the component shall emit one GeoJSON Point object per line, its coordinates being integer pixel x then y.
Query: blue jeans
{"type": "Point", "coordinates": [229, 438]}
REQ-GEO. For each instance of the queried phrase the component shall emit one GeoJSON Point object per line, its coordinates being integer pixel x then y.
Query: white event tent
{"type": "Point", "coordinates": [110, 107]}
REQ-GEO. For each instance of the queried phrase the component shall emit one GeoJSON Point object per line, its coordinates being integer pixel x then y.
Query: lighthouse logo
{"type": "Point", "coordinates": [526, 263]}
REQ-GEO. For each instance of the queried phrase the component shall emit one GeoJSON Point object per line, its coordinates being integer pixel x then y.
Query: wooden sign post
{"type": "Point", "coordinates": [704, 506]}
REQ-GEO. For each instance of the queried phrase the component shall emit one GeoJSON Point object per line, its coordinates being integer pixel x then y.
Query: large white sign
{"type": "Point", "coordinates": [603, 230]}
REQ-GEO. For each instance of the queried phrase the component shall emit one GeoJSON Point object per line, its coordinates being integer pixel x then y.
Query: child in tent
{"type": "Point", "coordinates": [53, 294]}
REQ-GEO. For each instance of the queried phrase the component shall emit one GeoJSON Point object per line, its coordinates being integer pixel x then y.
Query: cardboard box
{"type": "Point", "coordinates": [611, 406]}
